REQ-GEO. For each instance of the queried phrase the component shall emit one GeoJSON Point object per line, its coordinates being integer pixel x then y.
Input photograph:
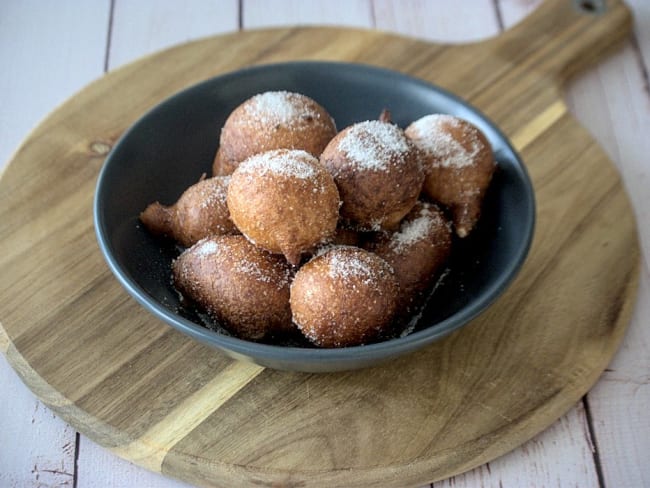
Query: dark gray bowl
{"type": "Point", "coordinates": [172, 145]}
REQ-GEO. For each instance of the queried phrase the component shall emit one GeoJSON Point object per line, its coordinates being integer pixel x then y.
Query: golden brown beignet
{"type": "Point", "coordinates": [377, 173]}
{"type": "Point", "coordinates": [201, 211]}
{"type": "Point", "coordinates": [243, 287]}
{"type": "Point", "coordinates": [458, 164]}
{"type": "Point", "coordinates": [417, 252]}
{"type": "Point", "coordinates": [284, 201]}
{"type": "Point", "coordinates": [344, 297]}
{"type": "Point", "coordinates": [272, 120]}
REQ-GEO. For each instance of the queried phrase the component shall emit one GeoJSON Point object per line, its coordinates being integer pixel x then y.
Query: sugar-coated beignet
{"type": "Point", "coordinates": [344, 297]}
{"type": "Point", "coordinates": [243, 287]}
{"type": "Point", "coordinates": [284, 201]}
{"type": "Point", "coordinates": [458, 164]}
{"type": "Point", "coordinates": [272, 120]}
{"type": "Point", "coordinates": [377, 172]}
{"type": "Point", "coordinates": [201, 211]}
{"type": "Point", "coordinates": [416, 252]}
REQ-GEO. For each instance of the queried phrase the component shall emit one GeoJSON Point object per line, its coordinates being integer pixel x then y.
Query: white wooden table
{"type": "Point", "coordinates": [49, 49]}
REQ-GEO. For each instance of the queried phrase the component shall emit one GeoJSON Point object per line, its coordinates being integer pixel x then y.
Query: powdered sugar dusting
{"type": "Point", "coordinates": [350, 266]}
{"type": "Point", "coordinates": [430, 135]}
{"type": "Point", "coordinates": [373, 145]}
{"type": "Point", "coordinates": [253, 270]}
{"type": "Point", "coordinates": [280, 277]}
{"type": "Point", "coordinates": [416, 229]}
{"type": "Point", "coordinates": [282, 107]}
{"type": "Point", "coordinates": [258, 265]}
{"type": "Point", "coordinates": [213, 191]}
{"type": "Point", "coordinates": [288, 163]}
{"type": "Point", "coordinates": [205, 247]}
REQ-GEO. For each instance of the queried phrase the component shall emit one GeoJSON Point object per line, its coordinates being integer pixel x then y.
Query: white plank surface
{"type": "Point", "coordinates": [43, 62]}
{"type": "Point", "coordinates": [70, 41]}
{"type": "Point", "coordinates": [641, 10]}
{"type": "Point", "coordinates": [438, 20]}
{"type": "Point", "coordinates": [262, 13]}
{"type": "Point", "coordinates": [619, 404]}
{"type": "Point", "coordinates": [98, 467]}
{"type": "Point", "coordinates": [513, 11]}
{"type": "Point", "coordinates": [145, 26]}
{"type": "Point", "coordinates": [36, 448]}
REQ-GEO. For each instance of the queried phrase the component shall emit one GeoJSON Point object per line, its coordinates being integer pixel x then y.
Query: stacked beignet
{"type": "Point", "coordinates": [458, 164]}
{"type": "Point", "coordinates": [272, 120]}
{"type": "Point", "coordinates": [201, 211]}
{"type": "Point", "coordinates": [343, 235]}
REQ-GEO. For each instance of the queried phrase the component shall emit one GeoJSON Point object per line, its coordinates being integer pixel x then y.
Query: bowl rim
{"type": "Point", "coordinates": [327, 356]}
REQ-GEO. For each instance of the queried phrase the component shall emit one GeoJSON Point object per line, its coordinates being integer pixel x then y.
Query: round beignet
{"type": "Point", "coordinates": [284, 201]}
{"type": "Point", "coordinates": [416, 252]}
{"type": "Point", "coordinates": [377, 172]}
{"type": "Point", "coordinates": [458, 164]}
{"type": "Point", "coordinates": [272, 120]}
{"type": "Point", "coordinates": [344, 297]}
{"type": "Point", "coordinates": [201, 211]}
{"type": "Point", "coordinates": [243, 287]}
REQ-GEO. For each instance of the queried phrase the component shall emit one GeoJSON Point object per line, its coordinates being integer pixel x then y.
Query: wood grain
{"type": "Point", "coordinates": [619, 121]}
{"type": "Point", "coordinates": [555, 458]}
{"type": "Point", "coordinates": [563, 455]}
{"type": "Point", "coordinates": [36, 447]}
{"type": "Point", "coordinates": [259, 435]}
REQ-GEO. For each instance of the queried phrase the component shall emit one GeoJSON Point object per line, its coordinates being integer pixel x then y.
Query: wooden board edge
{"type": "Point", "coordinates": [90, 426]}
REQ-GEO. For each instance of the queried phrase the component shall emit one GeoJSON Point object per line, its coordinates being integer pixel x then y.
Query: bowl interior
{"type": "Point", "coordinates": [169, 148]}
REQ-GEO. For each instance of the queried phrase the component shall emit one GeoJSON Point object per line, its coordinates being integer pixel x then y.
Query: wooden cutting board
{"type": "Point", "coordinates": [159, 399]}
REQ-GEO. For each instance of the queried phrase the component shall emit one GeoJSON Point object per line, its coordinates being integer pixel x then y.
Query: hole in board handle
{"type": "Point", "coordinates": [593, 7]}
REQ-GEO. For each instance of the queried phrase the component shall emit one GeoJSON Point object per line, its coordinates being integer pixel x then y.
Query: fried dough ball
{"type": "Point", "coordinates": [243, 287]}
{"type": "Point", "coordinates": [417, 252]}
{"type": "Point", "coordinates": [377, 173]}
{"type": "Point", "coordinates": [284, 201]}
{"type": "Point", "coordinates": [272, 120]}
{"type": "Point", "coordinates": [201, 211]}
{"type": "Point", "coordinates": [344, 297]}
{"type": "Point", "coordinates": [458, 163]}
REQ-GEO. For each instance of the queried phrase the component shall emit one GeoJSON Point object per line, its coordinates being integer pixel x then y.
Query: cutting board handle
{"type": "Point", "coordinates": [563, 37]}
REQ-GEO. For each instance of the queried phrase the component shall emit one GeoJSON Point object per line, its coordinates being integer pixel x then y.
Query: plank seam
{"type": "Point", "coordinates": [499, 15]}
{"type": "Point", "coordinates": [109, 35]}
{"type": "Point", "coordinates": [594, 442]}
{"type": "Point", "coordinates": [75, 469]}
{"type": "Point", "coordinates": [240, 15]}
{"type": "Point", "coordinates": [644, 69]}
